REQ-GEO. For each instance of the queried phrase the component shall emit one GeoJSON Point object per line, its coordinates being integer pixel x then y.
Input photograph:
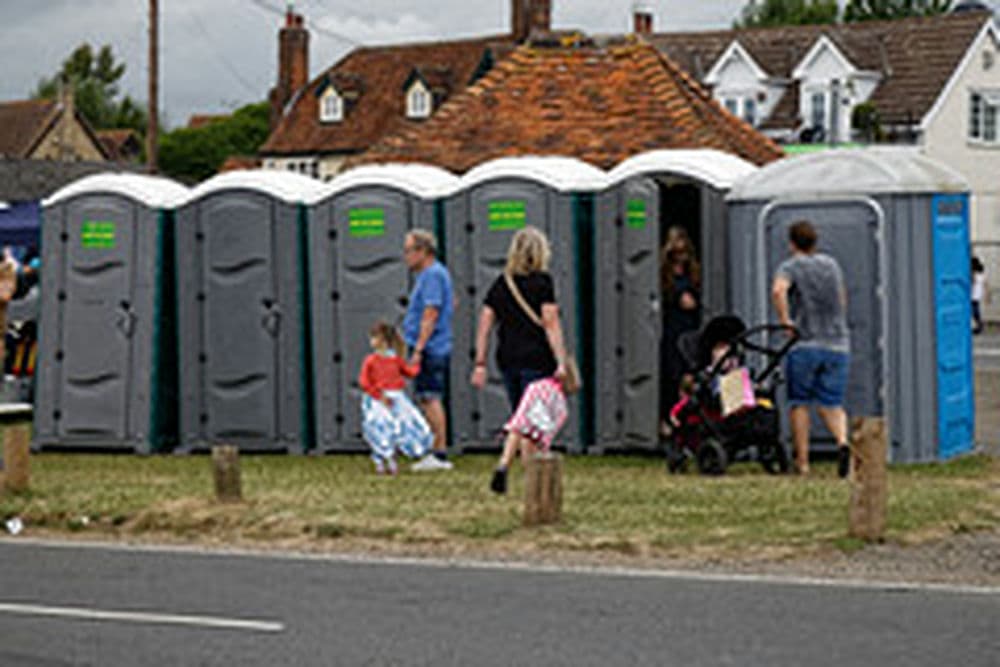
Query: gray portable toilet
{"type": "Point", "coordinates": [496, 199]}
{"type": "Point", "coordinates": [243, 312]}
{"type": "Point", "coordinates": [648, 194]}
{"type": "Point", "coordinates": [898, 223]}
{"type": "Point", "coordinates": [106, 357]}
{"type": "Point", "coordinates": [358, 225]}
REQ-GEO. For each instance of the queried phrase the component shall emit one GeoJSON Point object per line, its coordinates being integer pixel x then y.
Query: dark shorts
{"type": "Point", "coordinates": [516, 380]}
{"type": "Point", "coordinates": [432, 381]}
{"type": "Point", "coordinates": [817, 377]}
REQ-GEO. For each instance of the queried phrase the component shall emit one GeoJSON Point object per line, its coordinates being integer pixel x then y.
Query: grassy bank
{"type": "Point", "coordinates": [611, 505]}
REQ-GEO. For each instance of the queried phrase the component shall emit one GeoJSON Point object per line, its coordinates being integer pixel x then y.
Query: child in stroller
{"type": "Point", "coordinates": [702, 429]}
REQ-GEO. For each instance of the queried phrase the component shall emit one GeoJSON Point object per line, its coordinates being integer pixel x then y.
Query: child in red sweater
{"type": "Point", "coordinates": [390, 421]}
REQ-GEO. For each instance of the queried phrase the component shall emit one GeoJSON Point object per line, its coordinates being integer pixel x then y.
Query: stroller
{"type": "Point", "coordinates": [753, 433]}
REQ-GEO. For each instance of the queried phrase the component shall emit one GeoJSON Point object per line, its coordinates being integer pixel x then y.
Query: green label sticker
{"type": "Point", "coordinates": [366, 222]}
{"type": "Point", "coordinates": [507, 216]}
{"type": "Point", "coordinates": [636, 214]}
{"type": "Point", "coordinates": [98, 234]}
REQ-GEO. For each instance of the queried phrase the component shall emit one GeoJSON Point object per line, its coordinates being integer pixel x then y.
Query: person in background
{"type": "Point", "coordinates": [427, 331]}
{"type": "Point", "coordinates": [809, 293]}
{"type": "Point", "coordinates": [978, 295]}
{"type": "Point", "coordinates": [527, 351]}
{"type": "Point", "coordinates": [390, 422]}
{"type": "Point", "coordinates": [680, 283]}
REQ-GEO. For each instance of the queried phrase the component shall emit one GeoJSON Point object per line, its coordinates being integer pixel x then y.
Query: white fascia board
{"type": "Point", "coordinates": [735, 50]}
{"type": "Point", "coordinates": [563, 174]}
{"type": "Point", "coordinates": [151, 191]}
{"type": "Point", "coordinates": [824, 42]}
{"type": "Point", "coordinates": [420, 180]}
{"type": "Point", "coordinates": [989, 30]}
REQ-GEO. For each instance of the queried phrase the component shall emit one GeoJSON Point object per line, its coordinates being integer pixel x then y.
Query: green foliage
{"type": "Point", "coordinates": [764, 13]}
{"type": "Point", "coordinates": [95, 79]}
{"type": "Point", "coordinates": [874, 10]}
{"type": "Point", "coordinates": [865, 119]}
{"type": "Point", "coordinates": [195, 154]}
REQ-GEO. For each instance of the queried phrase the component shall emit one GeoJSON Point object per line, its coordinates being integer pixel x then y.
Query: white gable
{"type": "Point", "coordinates": [716, 168]}
{"type": "Point", "coordinates": [824, 61]}
{"type": "Point", "coordinates": [152, 191]}
{"type": "Point", "coordinates": [285, 185]}
{"type": "Point", "coordinates": [736, 62]}
{"type": "Point", "coordinates": [560, 173]}
{"type": "Point", "coordinates": [420, 180]}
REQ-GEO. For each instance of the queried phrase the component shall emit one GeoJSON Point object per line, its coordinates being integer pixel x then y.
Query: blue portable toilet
{"type": "Point", "coordinates": [898, 224]}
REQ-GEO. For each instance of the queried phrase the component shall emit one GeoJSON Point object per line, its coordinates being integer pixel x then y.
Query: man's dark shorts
{"type": "Point", "coordinates": [817, 376]}
{"type": "Point", "coordinates": [433, 378]}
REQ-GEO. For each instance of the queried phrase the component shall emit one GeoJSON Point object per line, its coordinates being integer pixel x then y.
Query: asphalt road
{"type": "Point", "coordinates": [325, 612]}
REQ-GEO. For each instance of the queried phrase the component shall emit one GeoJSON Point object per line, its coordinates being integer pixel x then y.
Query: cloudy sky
{"type": "Point", "coordinates": [219, 54]}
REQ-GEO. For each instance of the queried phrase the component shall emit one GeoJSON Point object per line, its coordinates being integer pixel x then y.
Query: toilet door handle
{"type": "Point", "coordinates": [126, 319]}
{"type": "Point", "coordinates": [272, 318]}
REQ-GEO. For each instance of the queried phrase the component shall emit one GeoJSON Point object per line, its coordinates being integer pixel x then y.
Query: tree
{"type": "Point", "coordinates": [193, 155]}
{"type": "Point", "coordinates": [94, 78]}
{"type": "Point", "coordinates": [874, 10]}
{"type": "Point", "coordinates": [764, 13]}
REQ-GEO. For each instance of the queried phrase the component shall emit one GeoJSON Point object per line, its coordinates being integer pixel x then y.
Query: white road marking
{"type": "Point", "coordinates": [526, 567]}
{"type": "Point", "coordinates": [85, 614]}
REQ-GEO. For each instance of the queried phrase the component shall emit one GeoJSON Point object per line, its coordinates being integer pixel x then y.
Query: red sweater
{"type": "Point", "coordinates": [380, 373]}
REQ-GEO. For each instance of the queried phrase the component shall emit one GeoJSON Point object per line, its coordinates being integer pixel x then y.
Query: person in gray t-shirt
{"type": "Point", "coordinates": [809, 294]}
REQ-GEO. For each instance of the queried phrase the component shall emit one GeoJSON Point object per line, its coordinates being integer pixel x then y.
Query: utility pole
{"type": "Point", "coordinates": [152, 129]}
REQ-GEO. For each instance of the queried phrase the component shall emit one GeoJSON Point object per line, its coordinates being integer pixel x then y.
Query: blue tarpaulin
{"type": "Point", "coordinates": [20, 225]}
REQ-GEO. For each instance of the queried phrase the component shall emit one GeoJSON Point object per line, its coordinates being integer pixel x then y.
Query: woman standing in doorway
{"type": "Point", "coordinates": [680, 281]}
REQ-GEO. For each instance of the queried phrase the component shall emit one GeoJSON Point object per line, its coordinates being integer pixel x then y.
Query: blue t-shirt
{"type": "Point", "coordinates": [432, 288]}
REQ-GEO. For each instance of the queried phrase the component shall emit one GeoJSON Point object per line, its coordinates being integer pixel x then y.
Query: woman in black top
{"type": "Point", "coordinates": [680, 277]}
{"type": "Point", "coordinates": [526, 351]}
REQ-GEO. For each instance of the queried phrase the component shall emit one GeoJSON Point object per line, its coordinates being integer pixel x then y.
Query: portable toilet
{"type": "Point", "coordinates": [358, 225]}
{"type": "Point", "coordinates": [243, 310]}
{"type": "Point", "coordinates": [497, 198]}
{"type": "Point", "coordinates": [107, 356]}
{"type": "Point", "coordinates": [648, 194]}
{"type": "Point", "coordinates": [898, 224]}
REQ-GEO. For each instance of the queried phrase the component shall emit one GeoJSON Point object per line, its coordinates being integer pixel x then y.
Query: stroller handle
{"type": "Point", "coordinates": [774, 354]}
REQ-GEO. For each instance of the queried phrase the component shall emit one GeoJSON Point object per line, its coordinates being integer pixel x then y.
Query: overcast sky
{"type": "Point", "coordinates": [219, 54]}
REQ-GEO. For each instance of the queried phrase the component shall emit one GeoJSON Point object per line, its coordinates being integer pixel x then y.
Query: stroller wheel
{"type": "Point", "coordinates": [676, 459]}
{"type": "Point", "coordinates": [712, 458]}
{"type": "Point", "coordinates": [774, 458]}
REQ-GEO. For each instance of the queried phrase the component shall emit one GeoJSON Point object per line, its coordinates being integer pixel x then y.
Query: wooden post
{"type": "Point", "coordinates": [226, 470]}
{"type": "Point", "coordinates": [869, 485]}
{"type": "Point", "coordinates": [543, 489]}
{"type": "Point", "coordinates": [15, 420]}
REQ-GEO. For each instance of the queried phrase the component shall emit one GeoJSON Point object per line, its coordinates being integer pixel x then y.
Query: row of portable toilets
{"type": "Point", "coordinates": [238, 312]}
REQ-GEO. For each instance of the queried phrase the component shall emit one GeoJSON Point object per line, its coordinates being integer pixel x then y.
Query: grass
{"type": "Point", "coordinates": [621, 506]}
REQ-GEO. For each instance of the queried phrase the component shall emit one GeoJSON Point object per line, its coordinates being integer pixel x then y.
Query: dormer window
{"type": "Point", "coordinates": [331, 106]}
{"type": "Point", "coordinates": [418, 102]}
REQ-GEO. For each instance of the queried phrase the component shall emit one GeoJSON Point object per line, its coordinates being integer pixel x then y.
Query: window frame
{"type": "Point", "coordinates": [334, 114]}
{"type": "Point", "coordinates": [418, 111]}
{"type": "Point", "coordinates": [750, 111]}
{"type": "Point", "coordinates": [819, 110]}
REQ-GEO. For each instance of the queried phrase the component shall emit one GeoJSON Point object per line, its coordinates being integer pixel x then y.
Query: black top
{"type": "Point", "coordinates": [523, 344]}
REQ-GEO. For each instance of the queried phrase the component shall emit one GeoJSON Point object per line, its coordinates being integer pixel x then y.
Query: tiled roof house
{"type": "Point", "coordinates": [47, 130]}
{"type": "Point", "coordinates": [600, 104]}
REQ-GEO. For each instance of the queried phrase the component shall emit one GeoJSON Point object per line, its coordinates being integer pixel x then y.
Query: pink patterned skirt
{"type": "Point", "coordinates": [540, 414]}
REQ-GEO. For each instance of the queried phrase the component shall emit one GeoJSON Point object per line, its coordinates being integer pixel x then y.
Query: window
{"type": "Point", "coordinates": [984, 107]}
{"type": "Point", "coordinates": [750, 111]}
{"type": "Point", "coordinates": [418, 103]}
{"type": "Point", "coordinates": [975, 116]}
{"type": "Point", "coordinates": [732, 105]}
{"type": "Point", "coordinates": [819, 110]}
{"type": "Point", "coordinates": [331, 107]}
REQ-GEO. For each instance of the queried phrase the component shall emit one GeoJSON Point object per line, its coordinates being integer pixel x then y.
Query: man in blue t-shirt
{"type": "Point", "coordinates": [427, 330]}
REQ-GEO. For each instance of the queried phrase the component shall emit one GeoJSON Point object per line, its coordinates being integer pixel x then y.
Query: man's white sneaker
{"type": "Point", "coordinates": [431, 462]}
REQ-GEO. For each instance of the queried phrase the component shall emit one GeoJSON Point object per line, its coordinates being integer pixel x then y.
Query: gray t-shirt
{"type": "Point", "coordinates": [815, 300]}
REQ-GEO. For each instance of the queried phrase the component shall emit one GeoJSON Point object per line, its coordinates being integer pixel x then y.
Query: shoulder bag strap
{"type": "Point", "coordinates": [516, 293]}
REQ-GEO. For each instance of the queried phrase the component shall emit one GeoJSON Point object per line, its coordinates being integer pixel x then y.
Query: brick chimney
{"type": "Point", "coordinates": [642, 18]}
{"type": "Point", "coordinates": [293, 63]}
{"type": "Point", "coordinates": [530, 16]}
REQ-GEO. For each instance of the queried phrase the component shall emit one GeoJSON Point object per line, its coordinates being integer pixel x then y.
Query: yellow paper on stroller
{"type": "Point", "coordinates": [736, 391]}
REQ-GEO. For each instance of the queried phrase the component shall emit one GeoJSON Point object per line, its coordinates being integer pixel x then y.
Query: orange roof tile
{"type": "Point", "coordinates": [601, 105]}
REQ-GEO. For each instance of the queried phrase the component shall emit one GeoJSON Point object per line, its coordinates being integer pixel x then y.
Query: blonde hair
{"type": "Point", "coordinates": [423, 240]}
{"type": "Point", "coordinates": [529, 252]}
